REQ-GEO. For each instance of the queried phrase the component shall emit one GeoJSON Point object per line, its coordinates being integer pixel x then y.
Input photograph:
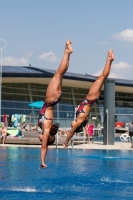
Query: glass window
{"type": "Point", "coordinates": [84, 91]}
{"type": "Point", "coordinates": [67, 95]}
{"type": "Point", "coordinates": [34, 92]}
{"type": "Point", "coordinates": [9, 111]}
{"type": "Point", "coordinates": [8, 90]}
{"type": "Point", "coordinates": [19, 85]}
{"type": "Point", "coordinates": [76, 90]}
{"type": "Point", "coordinates": [9, 104]}
{"type": "Point", "coordinates": [23, 105]}
{"type": "Point", "coordinates": [20, 91]}
{"type": "Point", "coordinates": [7, 96]}
{"type": "Point", "coordinates": [15, 99]}
{"type": "Point", "coordinates": [65, 89]}
{"type": "Point", "coordinates": [42, 87]}
{"type": "Point", "coordinates": [37, 98]}
{"type": "Point", "coordinates": [78, 102]}
{"type": "Point", "coordinates": [64, 100]}
{"type": "Point", "coordinates": [23, 111]}
{"type": "Point", "coordinates": [34, 86]}
{"type": "Point", "coordinates": [7, 85]}
{"type": "Point", "coordinates": [82, 96]}
{"type": "Point", "coordinates": [22, 97]}
{"type": "Point", "coordinates": [41, 93]}
{"type": "Point", "coordinates": [78, 96]}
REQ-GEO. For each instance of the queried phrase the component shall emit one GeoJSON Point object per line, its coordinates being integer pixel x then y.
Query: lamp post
{"type": "Point", "coordinates": [3, 44]}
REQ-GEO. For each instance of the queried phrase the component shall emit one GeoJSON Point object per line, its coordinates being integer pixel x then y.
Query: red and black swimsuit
{"type": "Point", "coordinates": [85, 102]}
{"type": "Point", "coordinates": [44, 108]}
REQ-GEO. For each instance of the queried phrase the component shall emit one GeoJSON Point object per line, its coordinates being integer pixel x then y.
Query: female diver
{"type": "Point", "coordinates": [53, 96]}
{"type": "Point", "coordinates": [92, 96]}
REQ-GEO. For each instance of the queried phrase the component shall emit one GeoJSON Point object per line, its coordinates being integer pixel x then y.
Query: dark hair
{"type": "Point", "coordinates": [80, 128]}
{"type": "Point", "coordinates": [54, 129]}
{"type": "Point", "coordinates": [51, 140]}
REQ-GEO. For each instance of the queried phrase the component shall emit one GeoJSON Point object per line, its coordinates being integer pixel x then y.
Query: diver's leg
{"type": "Point", "coordinates": [46, 131]}
{"type": "Point", "coordinates": [95, 89]}
{"type": "Point", "coordinates": [55, 84]}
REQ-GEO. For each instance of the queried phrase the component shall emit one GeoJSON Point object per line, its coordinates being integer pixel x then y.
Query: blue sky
{"type": "Point", "coordinates": [39, 27]}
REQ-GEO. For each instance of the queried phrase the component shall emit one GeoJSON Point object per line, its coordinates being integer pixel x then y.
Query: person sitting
{"type": "Point", "coordinates": [25, 127]}
{"type": "Point", "coordinates": [36, 128]}
{"type": "Point", "coordinates": [3, 133]}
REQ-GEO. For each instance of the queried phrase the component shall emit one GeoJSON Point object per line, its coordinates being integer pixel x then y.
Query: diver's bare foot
{"type": "Point", "coordinates": [40, 137]}
{"type": "Point", "coordinates": [68, 47]}
{"type": "Point", "coordinates": [65, 145]}
{"type": "Point", "coordinates": [43, 166]}
{"type": "Point", "coordinates": [110, 55]}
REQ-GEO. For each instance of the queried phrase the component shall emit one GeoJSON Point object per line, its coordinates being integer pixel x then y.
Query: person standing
{"type": "Point", "coordinates": [90, 131]}
{"type": "Point", "coordinates": [131, 131]}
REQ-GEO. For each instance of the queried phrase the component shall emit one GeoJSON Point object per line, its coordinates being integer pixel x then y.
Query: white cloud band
{"type": "Point", "coordinates": [15, 61]}
{"type": "Point", "coordinates": [50, 57]}
{"type": "Point", "coordinates": [126, 35]}
{"type": "Point", "coordinates": [23, 61]}
{"type": "Point", "coordinates": [120, 70]}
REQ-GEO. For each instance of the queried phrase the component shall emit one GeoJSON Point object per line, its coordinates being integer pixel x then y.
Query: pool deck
{"type": "Point", "coordinates": [95, 145]}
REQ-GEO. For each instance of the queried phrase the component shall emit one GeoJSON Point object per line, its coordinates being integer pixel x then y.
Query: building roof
{"type": "Point", "coordinates": [27, 71]}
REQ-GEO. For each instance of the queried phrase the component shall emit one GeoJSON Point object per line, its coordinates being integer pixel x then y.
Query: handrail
{"type": "Point", "coordinates": [107, 112]}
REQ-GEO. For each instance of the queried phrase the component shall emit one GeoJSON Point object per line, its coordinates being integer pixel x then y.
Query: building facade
{"type": "Point", "coordinates": [23, 85]}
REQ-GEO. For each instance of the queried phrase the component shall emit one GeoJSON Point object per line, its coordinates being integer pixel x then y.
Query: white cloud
{"type": "Point", "coordinates": [112, 75]}
{"type": "Point", "coordinates": [125, 67]}
{"type": "Point", "coordinates": [120, 70]}
{"type": "Point", "coordinates": [23, 61]}
{"type": "Point", "coordinates": [15, 61]}
{"type": "Point", "coordinates": [126, 35]}
{"type": "Point", "coordinates": [116, 75]}
{"type": "Point", "coordinates": [50, 56]}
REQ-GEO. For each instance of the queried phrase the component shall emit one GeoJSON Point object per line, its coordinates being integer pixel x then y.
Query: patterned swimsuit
{"type": "Point", "coordinates": [44, 108]}
{"type": "Point", "coordinates": [84, 103]}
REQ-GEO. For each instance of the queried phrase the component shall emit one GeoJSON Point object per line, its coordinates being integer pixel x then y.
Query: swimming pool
{"type": "Point", "coordinates": [71, 174]}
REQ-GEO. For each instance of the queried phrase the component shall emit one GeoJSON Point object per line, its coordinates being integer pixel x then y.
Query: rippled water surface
{"type": "Point", "coordinates": [71, 174]}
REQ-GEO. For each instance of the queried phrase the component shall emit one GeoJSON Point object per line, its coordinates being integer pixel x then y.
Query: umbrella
{"type": "Point", "coordinates": [36, 104]}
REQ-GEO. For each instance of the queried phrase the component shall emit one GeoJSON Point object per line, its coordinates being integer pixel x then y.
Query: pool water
{"type": "Point", "coordinates": [71, 174]}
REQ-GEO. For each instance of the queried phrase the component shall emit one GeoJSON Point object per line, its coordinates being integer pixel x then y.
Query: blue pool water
{"type": "Point", "coordinates": [71, 174]}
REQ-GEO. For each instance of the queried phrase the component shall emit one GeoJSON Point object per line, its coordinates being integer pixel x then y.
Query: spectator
{"type": "Point", "coordinates": [131, 130]}
{"type": "Point", "coordinates": [36, 128]}
{"type": "Point", "coordinates": [86, 129]}
{"type": "Point", "coordinates": [90, 130]}
{"type": "Point", "coordinates": [3, 133]}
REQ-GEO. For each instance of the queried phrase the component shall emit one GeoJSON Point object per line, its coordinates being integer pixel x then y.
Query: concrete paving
{"type": "Point", "coordinates": [95, 145]}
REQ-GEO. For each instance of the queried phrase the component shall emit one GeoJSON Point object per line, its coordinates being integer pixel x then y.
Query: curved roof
{"type": "Point", "coordinates": [27, 71]}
